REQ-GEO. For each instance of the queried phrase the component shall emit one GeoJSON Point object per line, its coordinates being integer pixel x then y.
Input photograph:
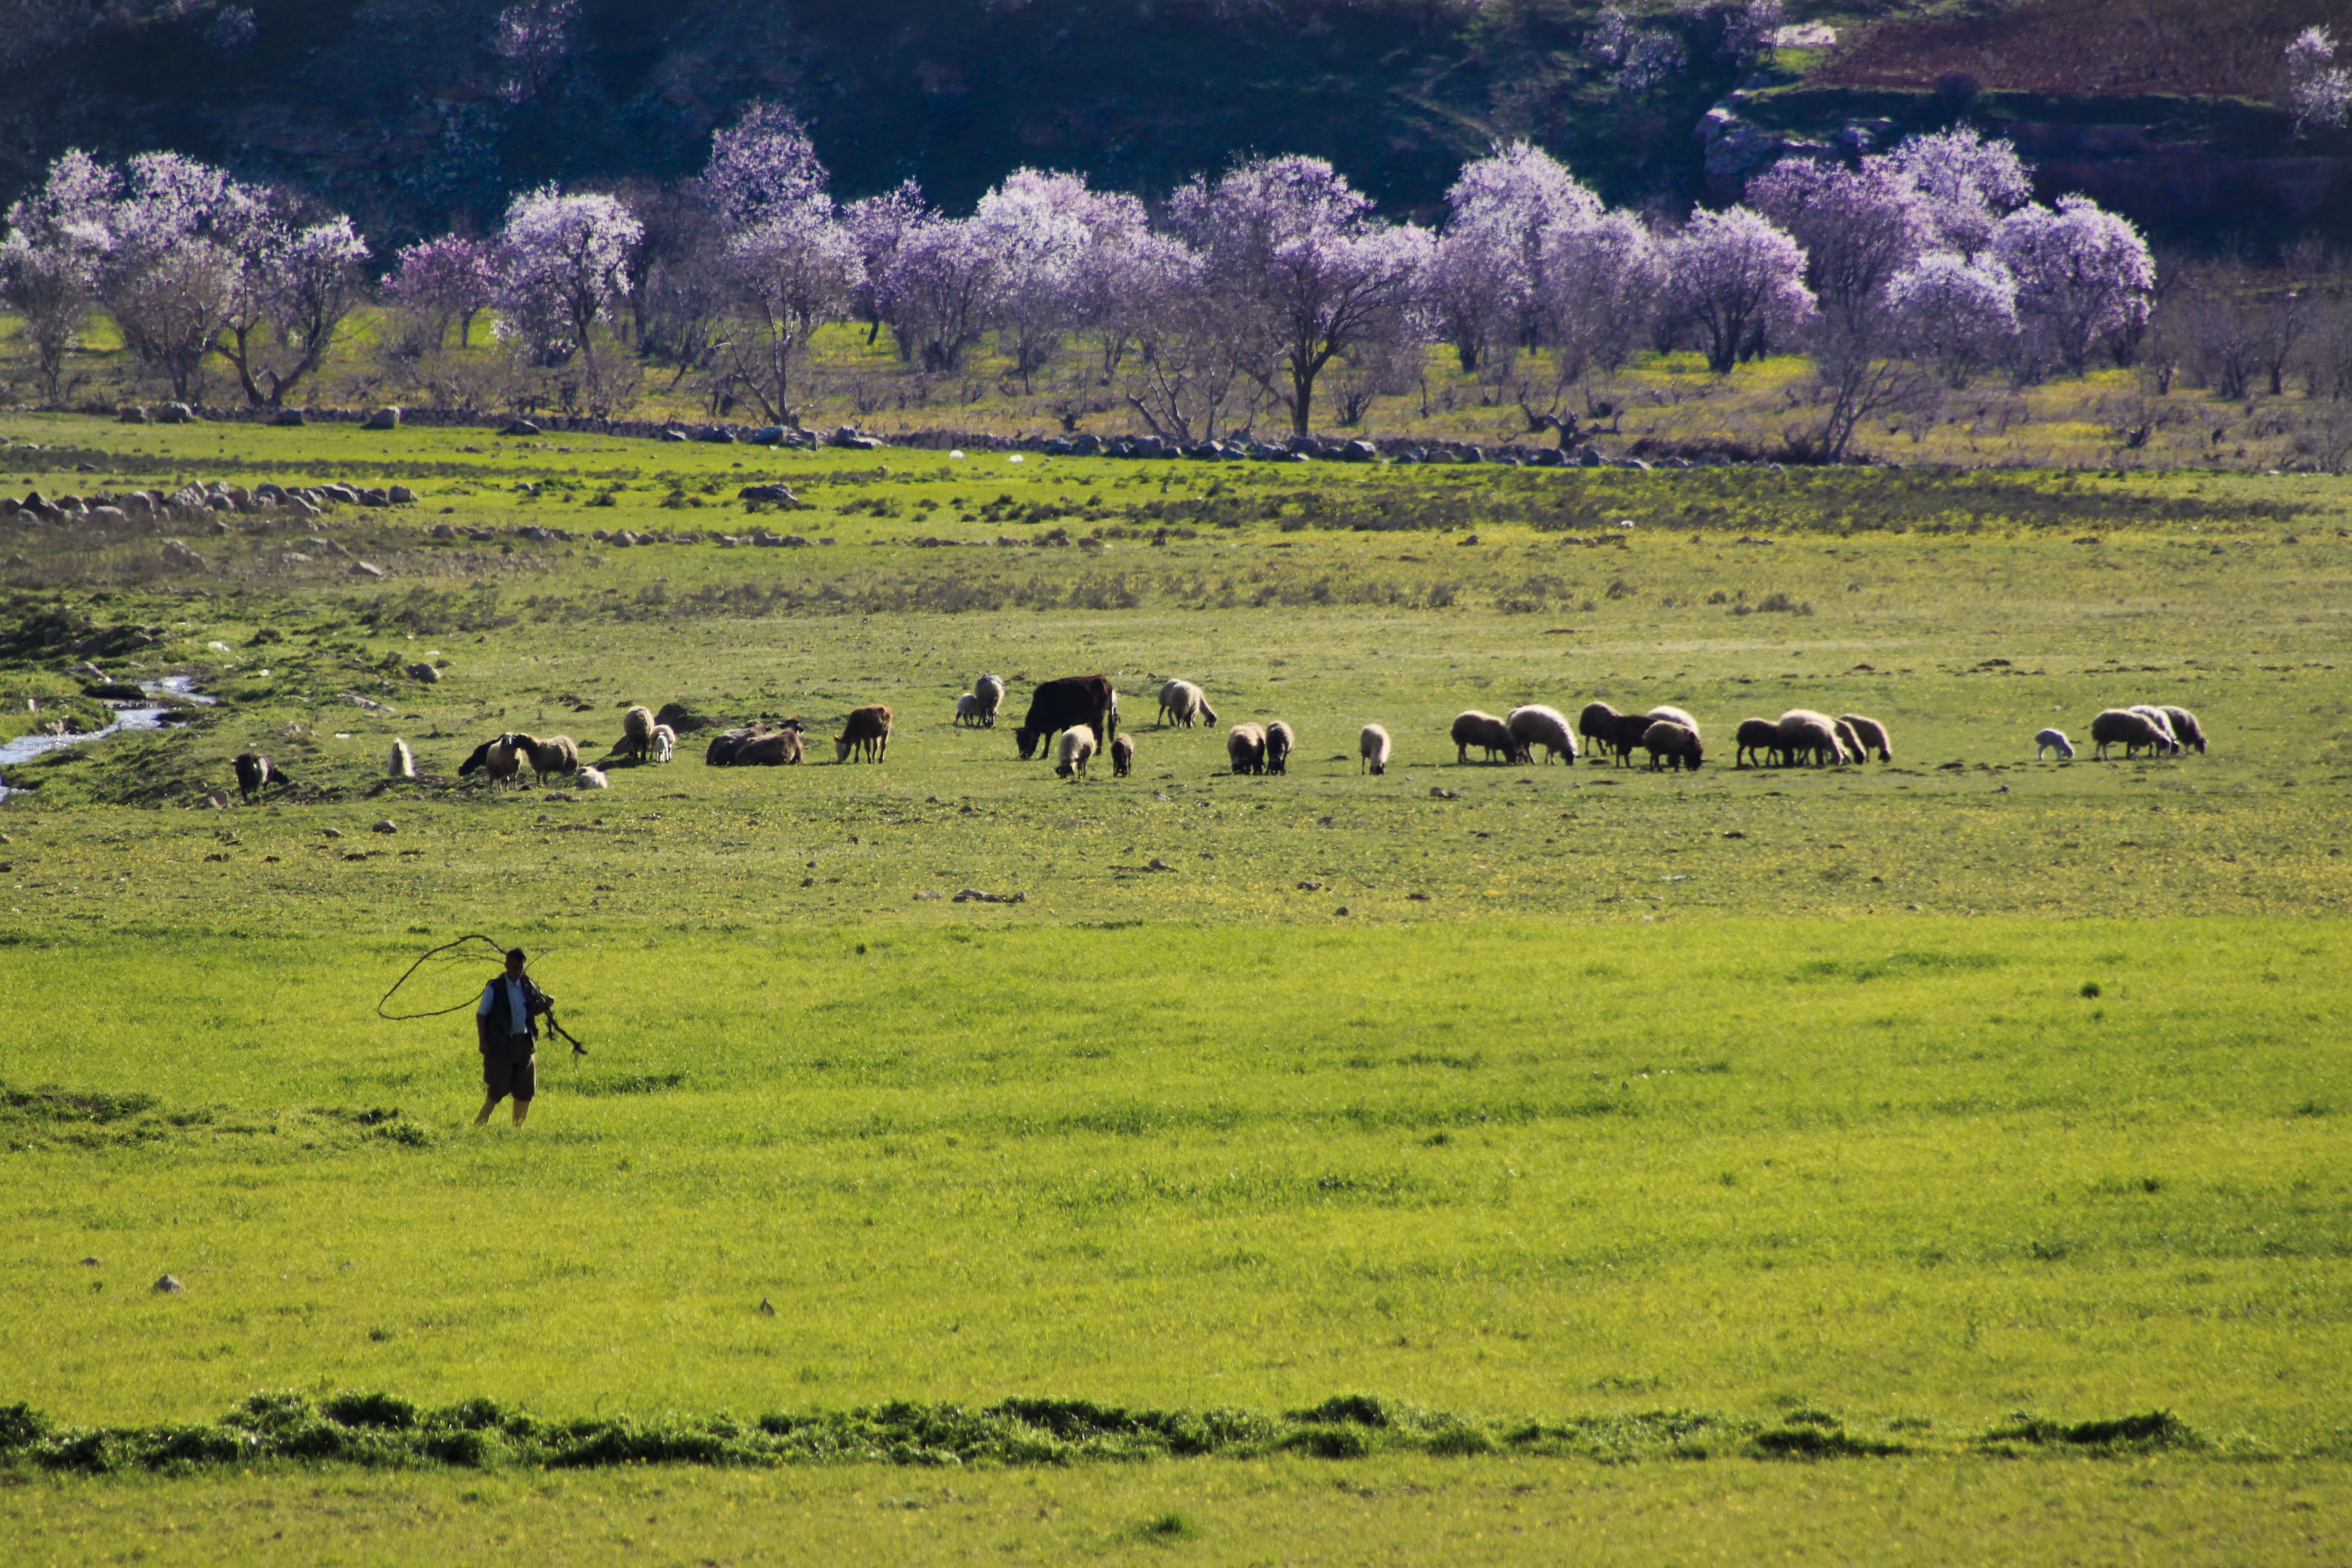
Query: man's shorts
{"type": "Point", "coordinates": [512, 1072]}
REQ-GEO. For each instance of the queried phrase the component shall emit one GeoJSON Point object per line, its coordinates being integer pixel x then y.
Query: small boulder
{"type": "Point", "coordinates": [387, 825]}
{"type": "Point", "coordinates": [131, 413]}
{"type": "Point", "coordinates": [288, 419]}
{"type": "Point", "coordinates": [381, 419]}
{"type": "Point", "coordinates": [425, 673]}
{"type": "Point", "coordinates": [170, 1285]}
{"type": "Point", "coordinates": [401, 495]}
{"type": "Point", "coordinates": [518, 428]}
{"type": "Point", "coordinates": [362, 569]}
{"type": "Point", "coordinates": [176, 414]}
{"type": "Point", "coordinates": [177, 554]}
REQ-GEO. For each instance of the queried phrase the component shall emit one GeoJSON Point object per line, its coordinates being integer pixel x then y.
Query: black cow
{"type": "Point", "coordinates": [1058, 704]}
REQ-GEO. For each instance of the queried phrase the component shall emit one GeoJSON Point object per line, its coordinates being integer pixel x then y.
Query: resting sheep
{"type": "Point", "coordinates": [1280, 741]}
{"type": "Point", "coordinates": [1077, 747]}
{"type": "Point", "coordinates": [665, 742]}
{"type": "Point", "coordinates": [1373, 747]}
{"type": "Point", "coordinates": [1182, 702]}
{"type": "Point", "coordinates": [2049, 741]}
{"type": "Point", "coordinates": [1532, 725]}
{"type": "Point", "coordinates": [556, 755]}
{"type": "Point", "coordinates": [1667, 741]}
{"type": "Point", "coordinates": [256, 773]}
{"type": "Point", "coordinates": [1122, 756]}
{"type": "Point", "coordinates": [2185, 728]}
{"type": "Point", "coordinates": [1246, 749]}
{"type": "Point", "coordinates": [988, 696]}
{"type": "Point", "coordinates": [592, 778]}
{"type": "Point", "coordinates": [779, 749]}
{"type": "Point", "coordinates": [1872, 735]}
{"type": "Point", "coordinates": [637, 734]}
{"type": "Point", "coordinates": [403, 762]}
{"type": "Point", "coordinates": [2131, 731]}
{"type": "Point", "coordinates": [1484, 730]}
{"type": "Point", "coordinates": [1754, 739]}
{"type": "Point", "coordinates": [867, 732]}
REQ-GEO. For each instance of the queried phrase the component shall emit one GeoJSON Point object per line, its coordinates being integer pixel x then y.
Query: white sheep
{"type": "Point", "coordinates": [1664, 715]}
{"type": "Point", "coordinates": [665, 742]}
{"type": "Point", "coordinates": [593, 778]}
{"type": "Point", "coordinates": [968, 711]}
{"type": "Point", "coordinates": [1182, 702]}
{"type": "Point", "coordinates": [1372, 747]}
{"type": "Point", "coordinates": [1078, 749]}
{"type": "Point", "coordinates": [988, 693]}
{"type": "Point", "coordinates": [1532, 725]}
{"type": "Point", "coordinates": [637, 732]}
{"type": "Point", "coordinates": [2048, 740]}
{"type": "Point", "coordinates": [2162, 721]}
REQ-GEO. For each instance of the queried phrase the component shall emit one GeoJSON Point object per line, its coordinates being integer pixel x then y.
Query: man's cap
{"type": "Point", "coordinates": [514, 955]}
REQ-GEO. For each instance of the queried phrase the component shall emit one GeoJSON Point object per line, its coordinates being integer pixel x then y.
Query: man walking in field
{"type": "Point", "coordinates": [506, 1025]}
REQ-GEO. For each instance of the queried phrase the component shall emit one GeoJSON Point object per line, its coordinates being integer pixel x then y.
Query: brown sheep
{"type": "Point", "coordinates": [1666, 740]}
{"type": "Point", "coordinates": [2122, 727]}
{"type": "Point", "coordinates": [556, 755]}
{"type": "Point", "coordinates": [637, 734]}
{"type": "Point", "coordinates": [1598, 723]}
{"type": "Point", "coordinates": [1280, 741]}
{"type": "Point", "coordinates": [1625, 732]}
{"type": "Point", "coordinates": [1485, 731]}
{"type": "Point", "coordinates": [1872, 735]}
{"type": "Point", "coordinates": [866, 732]}
{"type": "Point", "coordinates": [1246, 749]}
{"type": "Point", "coordinates": [1849, 744]}
{"type": "Point", "coordinates": [1122, 756]}
{"type": "Point", "coordinates": [781, 749]}
{"type": "Point", "coordinates": [1755, 738]}
{"type": "Point", "coordinates": [2185, 728]}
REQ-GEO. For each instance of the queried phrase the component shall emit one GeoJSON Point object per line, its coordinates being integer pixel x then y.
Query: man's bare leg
{"type": "Point", "coordinates": [492, 1104]}
{"type": "Point", "coordinates": [522, 1109]}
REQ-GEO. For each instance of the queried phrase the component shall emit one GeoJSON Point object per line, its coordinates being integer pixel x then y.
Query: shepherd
{"type": "Point", "coordinates": [507, 1026]}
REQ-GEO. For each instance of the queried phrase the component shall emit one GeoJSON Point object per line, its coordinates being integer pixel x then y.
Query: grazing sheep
{"type": "Point", "coordinates": [1532, 725]}
{"type": "Point", "coordinates": [779, 749]}
{"type": "Point", "coordinates": [1755, 738]}
{"type": "Point", "coordinates": [592, 778]}
{"type": "Point", "coordinates": [403, 762]}
{"type": "Point", "coordinates": [1625, 732]}
{"type": "Point", "coordinates": [1872, 735]}
{"type": "Point", "coordinates": [1182, 702]}
{"type": "Point", "coordinates": [637, 734]}
{"type": "Point", "coordinates": [1490, 734]}
{"type": "Point", "coordinates": [1077, 748]}
{"type": "Point", "coordinates": [1849, 744]}
{"type": "Point", "coordinates": [556, 755]}
{"type": "Point", "coordinates": [2130, 730]}
{"type": "Point", "coordinates": [867, 732]}
{"type": "Point", "coordinates": [1246, 748]}
{"type": "Point", "coordinates": [1805, 733]}
{"type": "Point", "coordinates": [665, 742]}
{"type": "Point", "coordinates": [1122, 756]}
{"type": "Point", "coordinates": [1373, 748]}
{"type": "Point", "coordinates": [256, 773]}
{"type": "Point", "coordinates": [2048, 740]}
{"type": "Point", "coordinates": [968, 711]}
{"type": "Point", "coordinates": [2185, 728]}
{"type": "Point", "coordinates": [2162, 721]}
{"type": "Point", "coordinates": [1280, 741]}
{"type": "Point", "coordinates": [1674, 716]}
{"type": "Point", "coordinates": [988, 693]}
{"type": "Point", "coordinates": [1666, 740]}
{"type": "Point", "coordinates": [1598, 723]}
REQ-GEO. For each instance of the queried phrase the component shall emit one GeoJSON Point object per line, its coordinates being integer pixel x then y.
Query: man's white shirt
{"type": "Point", "coordinates": [518, 1002]}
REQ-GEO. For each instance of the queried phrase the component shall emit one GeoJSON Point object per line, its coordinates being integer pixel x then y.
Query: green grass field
{"type": "Point", "coordinates": [1687, 1166]}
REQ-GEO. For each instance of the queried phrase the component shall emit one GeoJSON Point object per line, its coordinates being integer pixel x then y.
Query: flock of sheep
{"type": "Point", "coordinates": [1084, 709]}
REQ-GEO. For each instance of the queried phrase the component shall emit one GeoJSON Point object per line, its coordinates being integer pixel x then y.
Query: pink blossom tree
{"type": "Point", "coordinates": [1486, 272]}
{"type": "Point", "coordinates": [1956, 312]}
{"type": "Point", "coordinates": [50, 261]}
{"type": "Point", "coordinates": [940, 290]}
{"type": "Point", "coordinates": [761, 166]}
{"type": "Point", "coordinates": [792, 273]}
{"type": "Point", "coordinates": [1739, 280]}
{"type": "Point", "coordinates": [879, 223]}
{"type": "Point", "coordinates": [452, 279]}
{"type": "Point", "coordinates": [1858, 227]}
{"type": "Point", "coordinates": [2085, 278]}
{"type": "Point", "coordinates": [1040, 227]}
{"type": "Point", "coordinates": [1292, 244]}
{"type": "Point", "coordinates": [562, 264]}
{"type": "Point", "coordinates": [2318, 91]}
{"type": "Point", "coordinates": [1965, 182]}
{"type": "Point", "coordinates": [295, 284]}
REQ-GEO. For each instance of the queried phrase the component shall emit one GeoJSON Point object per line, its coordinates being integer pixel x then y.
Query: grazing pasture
{"type": "Point", "coordinates": [1910, 1121]}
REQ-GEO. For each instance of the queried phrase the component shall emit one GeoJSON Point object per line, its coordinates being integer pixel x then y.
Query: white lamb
{"type": "Point", "coordinates": [2050, 740]}
{"type": "Point", "coordinates": [593, 778]}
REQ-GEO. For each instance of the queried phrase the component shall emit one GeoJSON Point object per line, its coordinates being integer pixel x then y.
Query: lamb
{"type": "Point", "coordinates": [2131, 731]}
{"type": "Point", "coordinates": [637, 732]}
{"type": "Point", "coordinates": [556, 755]}
{"type": "Point", "coordinates": [256, 773]}
{"type": "Point", "coordinates": [403, 762]}
{"type": "Point", "coordinates": [1804, 733]}
{"type": "Point", "coordinates": [1598, 723]}
{"type": "Point", "coordinates": [1077, 747]}
{"type": "Point", "coordinates": [2048, 740]}
{"type": "Point", "coordinates": [1373, 748]}
{"type": "Point", "coordinates": [592, 778]}
{"type": "Point", "coordinates": [2185, 728]}
{"type": "Point", "coordinates": [1246, 748]}
{"type": "Point", "coordinates": [1755, 738]}
{"type": "Point", "coordinates": [1182, 702]}
{"type": "Point", "coordinates": [1872, 735]}
{"type": "Point", "coordinates": [665, 742]}
{"type": "Point", "coordinates": [1280, 741]}
{"type": "Point", "coordinates": [1122, 756]}
{"type": "Point", "coordinates": [988, 694]}
{"type": "Point", "coordinates": [1532, 725]}
{"type": "Point", "coordinates": [867, 732]}
{"type": "Point", "coordinates": [2162, 721]}
{"type": "Point", "coordinates": [1490, 734]}
{"type": "Point", "coordinates": [1665, 739]}
{"type": "Point", "coordinates": [968, 711]}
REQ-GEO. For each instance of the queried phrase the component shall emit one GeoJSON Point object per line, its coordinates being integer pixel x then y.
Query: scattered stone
{"type": "Point", "coordinates": [332, 832]}
{"type": "Point", "coordinates": [288, 419]}
{"type": "Point", "coordinates": [387, 825]}
{"type": "Point", "coordinates": [1311, 887]}
{"type": "Point", "coordinates": [362, 569]}
{"type": "Point", "coordinates": [91, 1263]}
{"type": "Point", "coordinates": [176, 414]}
{"type": "Point", "coordinates": [767, 1308]}
{"type": "Point", "coordinates": [401, 495]}
{"type": "Point", "coordinates": [1341, 910]}
{"type": "Point", "coordinates": [974, 896]}
{"type": "Point", "coordinates": [930, 893]}
{"type": "Point", "coordinates": [170, 1285]}
{"type": "Point", "coordinates": [176, 553]}
{"type": "Point", "coordinates": [381, 419]}
{"type": "Point", "coordinates": [1440, 793]}
{"type": "Point", "coordinates": [425, 673]}
{"type": "Point", "coordinates": [1417, 898]}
